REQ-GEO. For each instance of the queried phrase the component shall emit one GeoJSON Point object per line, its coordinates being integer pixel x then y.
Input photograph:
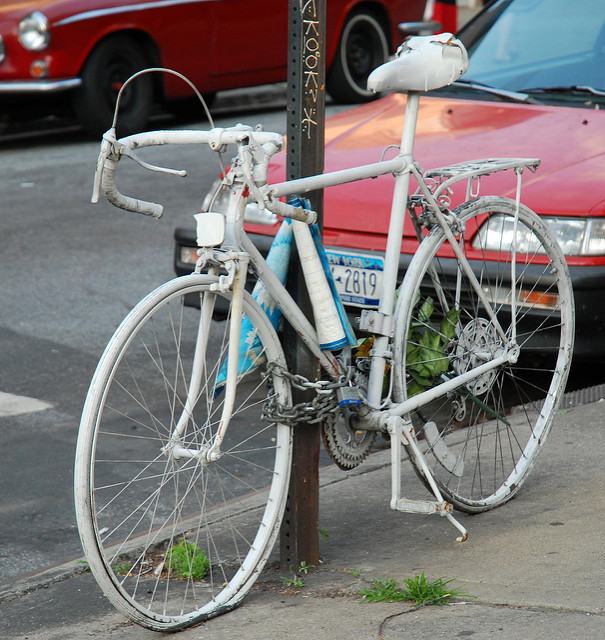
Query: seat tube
{"type": "Point", "coordinates": [393, 249]}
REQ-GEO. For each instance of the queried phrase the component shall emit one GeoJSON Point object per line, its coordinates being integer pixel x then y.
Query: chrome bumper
{"type": "Point", "coordinates": [39, 86]}
{"type": "Point", "coordinates": [418, 28]}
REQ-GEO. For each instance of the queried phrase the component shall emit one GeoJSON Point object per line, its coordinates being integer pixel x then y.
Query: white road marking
{"type": "Point", "coordinates": [13, 405]}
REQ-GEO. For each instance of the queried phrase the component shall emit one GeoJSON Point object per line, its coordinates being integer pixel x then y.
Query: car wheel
{"type": "Point", "coordinates": [190, 109]}
{"type": "Point", "coordinates": [362, 47]}
{"type": "Point", "coordinates": [107, 67]}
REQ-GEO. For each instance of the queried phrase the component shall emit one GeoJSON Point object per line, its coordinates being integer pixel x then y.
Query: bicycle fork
{"type": "Point", "coordinates": [212, 451]}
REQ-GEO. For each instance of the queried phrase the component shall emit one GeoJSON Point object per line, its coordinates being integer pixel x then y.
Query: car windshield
{"type": "Point", "coordinates": [551, 50]}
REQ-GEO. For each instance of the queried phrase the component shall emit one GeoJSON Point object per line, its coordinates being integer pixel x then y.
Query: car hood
{"type": "Point", "coordinates": [569, 181]}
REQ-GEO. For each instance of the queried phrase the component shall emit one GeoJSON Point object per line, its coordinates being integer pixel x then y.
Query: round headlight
{"type": "Point", "coordinates": [34, 31]}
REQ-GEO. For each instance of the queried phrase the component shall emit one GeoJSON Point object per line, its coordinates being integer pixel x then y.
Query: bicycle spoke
{"type": "Point", "coordinates": [495, 423]}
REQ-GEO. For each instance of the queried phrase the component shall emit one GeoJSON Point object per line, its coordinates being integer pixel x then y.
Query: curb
{"type": "Point", "coordinates": [29, 582]}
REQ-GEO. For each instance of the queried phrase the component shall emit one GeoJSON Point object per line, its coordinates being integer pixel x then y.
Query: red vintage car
{"type": "Point", "coordinates": [530, 91]}
{"type": "Point", "coordinates": [85, 49]}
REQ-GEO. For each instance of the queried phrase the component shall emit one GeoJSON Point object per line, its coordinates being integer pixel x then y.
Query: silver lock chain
{"type": "Point", "coordinates": [316, 410]}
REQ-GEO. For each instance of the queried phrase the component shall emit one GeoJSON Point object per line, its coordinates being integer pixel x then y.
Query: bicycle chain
{"type": "Point", "coordinates": [346, 446]}
{"type": "Point", "coordinates": [312, 412]}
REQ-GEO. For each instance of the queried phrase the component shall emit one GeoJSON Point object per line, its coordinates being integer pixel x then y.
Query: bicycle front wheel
{"type": "Point", "coordinates": [173, 536]}
{"type": "Point", "coordinates": [481, 439]}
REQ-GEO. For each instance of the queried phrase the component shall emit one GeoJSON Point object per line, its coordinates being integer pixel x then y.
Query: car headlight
{"type": "Point", "coordinates": [577, 236]}
{"type": "Point", "coordinates": [218, 197]}
{"type": "Point", "coordinates": [2, 49]}
{"type": "Point", "coordinates": [34, 31]}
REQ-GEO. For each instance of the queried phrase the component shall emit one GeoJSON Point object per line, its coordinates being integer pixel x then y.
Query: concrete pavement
{"type": "Point", "coordinates": [535, 565]}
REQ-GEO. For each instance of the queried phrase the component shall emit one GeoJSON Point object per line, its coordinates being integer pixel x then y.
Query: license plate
{"type": "Point", "coordinates": [357, 277]}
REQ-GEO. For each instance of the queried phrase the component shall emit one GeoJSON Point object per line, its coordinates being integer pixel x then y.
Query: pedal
{"type": "Point", "coordinates": [347, 397]}
{"type": "Point", "coordinates": [426, 507]}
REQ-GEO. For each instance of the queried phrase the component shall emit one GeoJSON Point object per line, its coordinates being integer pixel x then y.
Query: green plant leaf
{"type": "Point", "coordinates": [187, 560]}
{"type": "Point", "coordinates": [305, 568]}
{"type": "Point", "coordinates": [414, 389]}
{"type": "Point", "coordinates": [449, 322]}
{"type": "Point", "coordinates": [426, 356]}
{"type": "Point", "coordinates": [426, 310]}
{"type": "Point", "coordinates": [294, 582]}
{"type": "Point", "coordinates": [386, 590]}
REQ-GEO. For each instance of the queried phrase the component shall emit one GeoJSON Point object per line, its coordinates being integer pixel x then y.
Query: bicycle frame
{"type": "Point", "coordinates": [174, 374]}
{"type": "Point", "coordinates": [236, 251]}
{"type": "Point", "coordinates": [403, 167]}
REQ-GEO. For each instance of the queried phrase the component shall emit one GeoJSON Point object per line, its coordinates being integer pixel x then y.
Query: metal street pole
{"type": "Point", "coordinates": [305, 152]}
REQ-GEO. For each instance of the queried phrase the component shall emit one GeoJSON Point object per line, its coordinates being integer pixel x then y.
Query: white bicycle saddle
{"type": "Point", "coordinates": [422, 63]}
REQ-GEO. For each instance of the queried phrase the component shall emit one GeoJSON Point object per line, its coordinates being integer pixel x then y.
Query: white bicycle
{"type": "Point", "coordinates": [184, 449]}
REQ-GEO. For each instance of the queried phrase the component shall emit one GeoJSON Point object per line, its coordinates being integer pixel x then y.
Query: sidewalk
{"type": "Point", "coordinates": [535, 565]}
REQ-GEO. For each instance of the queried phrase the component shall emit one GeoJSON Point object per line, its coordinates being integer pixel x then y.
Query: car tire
{"type": "Point", "coordinates": [110, 63]}
{"type": "Point", "coordinates": [190, 109]}
{"type": "Point", "coordinates": [363, 46]}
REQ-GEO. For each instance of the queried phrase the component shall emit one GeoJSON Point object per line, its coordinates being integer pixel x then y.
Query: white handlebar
{"type": "Point", "coordinates": [112, 150]}
{"type": "Point", "coordinates": [125, 202]}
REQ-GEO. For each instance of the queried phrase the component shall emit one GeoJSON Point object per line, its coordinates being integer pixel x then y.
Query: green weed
{"type": "Point", "coordinates": [305, 568]}
{"type": "Point", "coordinates": [354, 572]}
{"type": "Point", "coordinates": [417, 589]}
{"type": "Point", "coordinates": [188, 561]}
{"type": "Point", "coordinates": [295, 582]}
{"type": "Point", "coordinates": [86, 567]}
{"type": "Point", "coordinates": [386, 590]}
{"type": "Point", "coordinates": [123, 569]}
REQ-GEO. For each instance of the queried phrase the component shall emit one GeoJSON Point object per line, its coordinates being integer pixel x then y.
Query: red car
{"type": "Point", "coordinates": [530, 91]}
{"type": "Point", "coordinates": [85, 49]}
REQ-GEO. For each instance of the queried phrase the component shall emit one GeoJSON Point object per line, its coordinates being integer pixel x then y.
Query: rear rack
{"type": "Point", "coordinates": [446, 176]}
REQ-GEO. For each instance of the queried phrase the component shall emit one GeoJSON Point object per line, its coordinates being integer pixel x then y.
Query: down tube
{"type": "Point", "coordinates": [290, 309]}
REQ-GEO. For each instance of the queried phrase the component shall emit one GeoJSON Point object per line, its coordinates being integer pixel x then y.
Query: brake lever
{"type": "Point", "coordinates": [124, 151]}
{"type": "Point", "coordinates": [111, 146]}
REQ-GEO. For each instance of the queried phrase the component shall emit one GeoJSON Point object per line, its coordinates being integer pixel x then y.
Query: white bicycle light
{"type": "Point", "coordinates": [210, 229]}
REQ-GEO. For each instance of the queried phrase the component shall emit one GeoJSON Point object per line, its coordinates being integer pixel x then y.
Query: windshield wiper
{"type": "Point", "coordinates": [515, 96]}
{"type": "Point", "coordinates": [573, 88]}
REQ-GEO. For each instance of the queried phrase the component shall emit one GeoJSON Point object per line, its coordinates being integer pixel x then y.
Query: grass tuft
{"type": "Point", "coordinates": [188, 561]}
{"type": "Point", "coordinates": [417, 590]}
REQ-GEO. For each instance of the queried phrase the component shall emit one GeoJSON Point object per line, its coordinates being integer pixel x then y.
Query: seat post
{"type": "Point", "coordinates": [409, 125]}
{"type": "Point", "coordinates": [399, 206]}
{"type": "Point", "coordinates": [393, 249]}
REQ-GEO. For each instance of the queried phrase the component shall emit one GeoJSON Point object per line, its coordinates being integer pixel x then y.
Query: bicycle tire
{"type": "Point", "coordinates": [145, 516]}
{"type": "Point", "coordinates": [481, 440]}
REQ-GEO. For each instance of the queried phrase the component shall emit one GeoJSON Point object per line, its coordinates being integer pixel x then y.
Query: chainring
{"type": "Point", "coordinates": [348, 447]}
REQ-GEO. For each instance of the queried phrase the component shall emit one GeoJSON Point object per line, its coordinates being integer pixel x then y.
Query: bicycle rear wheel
{"type": "Point", "coordinates": [481, 439]}
{"type": "Point", "coordinates": [174, 540]}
